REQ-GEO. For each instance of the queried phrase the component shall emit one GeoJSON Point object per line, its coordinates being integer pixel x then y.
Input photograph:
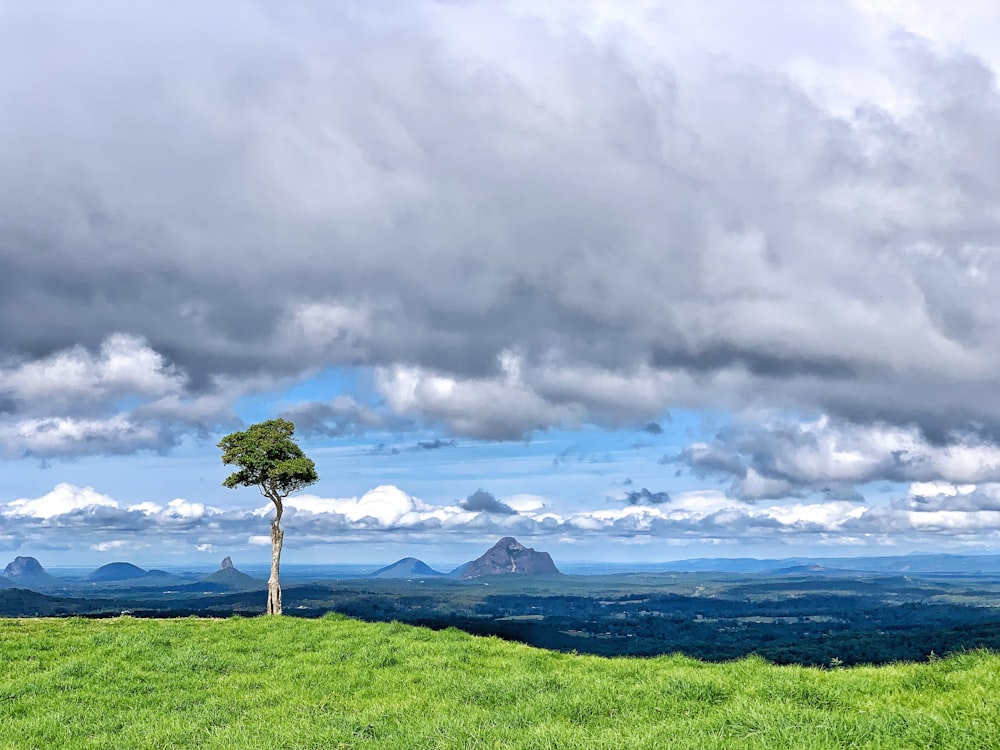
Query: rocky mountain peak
{"type": "Point", "coordinates": [508, 556]}
{"type": "Point", "coordinates": [227, 563]}
{"type": "Point", "coordinates": [25, 567]}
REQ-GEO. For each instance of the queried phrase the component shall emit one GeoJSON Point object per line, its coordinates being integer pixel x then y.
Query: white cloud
{"type": "Point", "coordinates": [502, 407]}
{"type": "Point", "coordinates": [702, 502]}
{"type": "Point", "coordinates": [123, 398]}
{"type": "Point", "coordinates": [118, 544]}
{"type": "Point", "coordinates": [385, 507]}
{"type": "Point", "coordinates": [953, 521]}
{"type": "Point", "coordinates": [828, 516]}
{"type": "Point", "coordinates": [70, 436]}
{"type": "Point", "coordinates": [69, 506]}
{"type": "Point", "coordinates": [526, 503]}
{"type": "Point", "coordinates": [64, 498]}
{"type": "Point", "coordinates": [317, 326]}
{"type": "Point", "coordinates": [386, 504]}
{"type": "Point", "coordinates": [124, 365]}
{"type": "Point", "coordinates": [929, 489]}
{"type": "Point", "coordinates": [184, 509]}
{"type": "Point", "coordinates": [716, 513]}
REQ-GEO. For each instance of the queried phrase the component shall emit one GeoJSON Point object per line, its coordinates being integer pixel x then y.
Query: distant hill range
{"type": "Point", "coordinates": [817, 570]}
{"type": "Point", "coordinates": [125, 572]}
{"type": "Point", "coordinates": [26, 571]}
{"type": "Point", "coordinates": [408, 567]}
{"type": "Point", "coordinates": [915, 563]}
{"type": "Point", "coordinates": [508, 557]}
{"type": "Point", "coordinates": [125, 575]}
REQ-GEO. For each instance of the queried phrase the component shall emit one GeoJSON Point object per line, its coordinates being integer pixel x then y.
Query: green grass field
{"type": "Point", "coordinates": [338, 683]}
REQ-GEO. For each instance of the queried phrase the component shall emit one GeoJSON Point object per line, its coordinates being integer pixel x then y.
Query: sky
{"type": "Point", "coordinates": [629, 281]}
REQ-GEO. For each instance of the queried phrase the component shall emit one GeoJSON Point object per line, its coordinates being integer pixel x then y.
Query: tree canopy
{"type": "Point", "coordinates": [268, 458]}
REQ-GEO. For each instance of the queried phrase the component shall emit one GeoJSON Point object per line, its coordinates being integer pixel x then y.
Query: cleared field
{"type": "Point", "coordinates": [339, 683]}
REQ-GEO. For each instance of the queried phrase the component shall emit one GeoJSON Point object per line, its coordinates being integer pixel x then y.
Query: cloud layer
{"type": "Point", "coordinates": [510, 216]}
{"type": "Point", "coordinates": [962, 515]}
{"type": "Point", "coordinates": [777, 459]}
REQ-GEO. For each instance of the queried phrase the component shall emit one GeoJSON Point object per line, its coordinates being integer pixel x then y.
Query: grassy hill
{"type": "Point", "coordinates": [339, 683]}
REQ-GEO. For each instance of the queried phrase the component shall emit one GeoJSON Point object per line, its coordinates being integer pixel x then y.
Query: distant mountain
{"type": "Point", "coordinates": [27, 571]}
{"type": "Point", "coordinates": [815, 569]}
{"type": "Point", "coordinates": [509, 557]}
{"type": "Point", "coordinates": [798, 570]}
{"type": "Point", "coordinates": [408, 567]}
{"type": "Point", "coordinates": [914, 563]}
{"type": "Point", "coordinates": [229, 578]}
{"type": "Point", "coordinates": [116, 571]}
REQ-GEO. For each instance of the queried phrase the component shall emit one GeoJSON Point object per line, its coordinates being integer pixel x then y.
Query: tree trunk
{"type": "Point", "coordinates": [273, 586]}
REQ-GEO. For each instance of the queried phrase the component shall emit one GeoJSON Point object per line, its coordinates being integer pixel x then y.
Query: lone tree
{"type": "Point", "coordinates": [270, 460]}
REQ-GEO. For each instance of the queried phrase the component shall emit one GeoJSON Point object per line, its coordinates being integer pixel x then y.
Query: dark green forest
{"type": "Point", "coordinates": [808, 620]}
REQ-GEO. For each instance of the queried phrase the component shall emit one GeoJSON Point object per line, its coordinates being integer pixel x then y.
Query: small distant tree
{"type": "Point", "coordinates": [270, 460]}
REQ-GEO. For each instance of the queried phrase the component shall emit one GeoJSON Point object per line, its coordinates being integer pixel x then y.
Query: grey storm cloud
{"type": "Point", "coordinates": [8, 404]}
{"type": "Point", "coordinates": [383, 449]}
{"type": "Point", "coordinates": [512, 222]}
{"type": "Point", "coordinates": [971, 502]}
{"type": "Point", "coordinates": [486, 502]}
{"type": "Point", "coordinates": [341, 416]}
{"type": "Point", "coordinates": [645, 497]}
{"type": "Point", "coordinates": [778, 458]}
{"type": "Point", "coordinates": [435, 444]}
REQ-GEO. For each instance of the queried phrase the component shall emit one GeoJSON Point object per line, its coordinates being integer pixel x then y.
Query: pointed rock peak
{"type": "Point", "coordinates": [228, 577]}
